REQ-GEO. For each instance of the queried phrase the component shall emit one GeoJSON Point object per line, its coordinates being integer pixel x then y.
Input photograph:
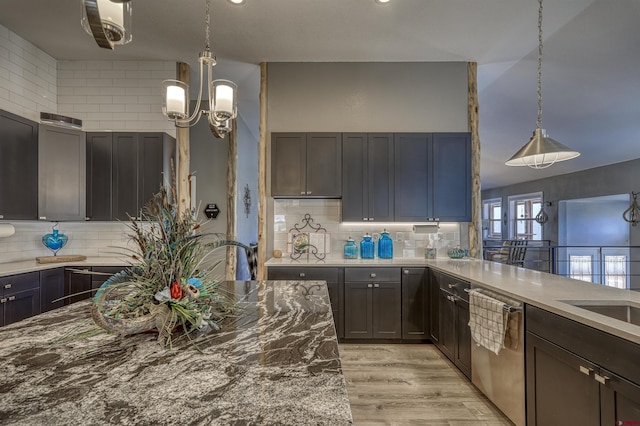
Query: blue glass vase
{"type": "Point", "coordinates": [385, 246]}
{"type": "Point", "coordinates": [367, 246]}
{"type": "Point", "coordinates": [350, 249]}
{"type": "Point", "coordinates": [54, 241]}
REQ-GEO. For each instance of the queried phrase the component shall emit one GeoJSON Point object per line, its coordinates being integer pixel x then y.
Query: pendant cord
{"type": "Point", "coordinates": [207, 19]}
{"type": "Point", "coordinates": [539, 88]}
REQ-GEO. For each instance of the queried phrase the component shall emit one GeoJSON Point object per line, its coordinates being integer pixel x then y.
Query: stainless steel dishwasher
{"type": "Point", "coordinates": [501, 377]}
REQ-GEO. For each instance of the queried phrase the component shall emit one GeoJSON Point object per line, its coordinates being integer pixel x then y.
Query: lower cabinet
{"type": "Point", "coordinates": [579, 375]}
{"type": "Point", "coordinates": [51, 288]}
{"type": "Point", "coordinates": [334, 279]}
{"type": "Point", "coordinates": [19, 297]}
{"type": "Point", "coordinates": [454, 335]}
{"type": "Point", "coordinates": [373, 303]}
{"type": "Point", "coordinates": [415, 304]}
{"type": "Point", "coordinates": [81, 283]}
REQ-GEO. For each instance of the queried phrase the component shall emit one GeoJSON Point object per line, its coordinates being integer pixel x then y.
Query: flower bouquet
{"type": "Point", "coordinates": [172, 287]}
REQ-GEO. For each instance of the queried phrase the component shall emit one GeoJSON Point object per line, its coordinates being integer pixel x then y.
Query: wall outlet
{"type": "Point", "coordinates": [399, 236]}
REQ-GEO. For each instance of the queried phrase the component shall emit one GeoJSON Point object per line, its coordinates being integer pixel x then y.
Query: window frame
{"type": "Point", "coordinates": [531, 226]}
{"type": "Point", "coordinates": [489, 220]}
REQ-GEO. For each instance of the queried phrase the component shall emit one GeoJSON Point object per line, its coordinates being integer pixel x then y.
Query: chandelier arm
{"type": "Point", "coordinates": [196, 112]}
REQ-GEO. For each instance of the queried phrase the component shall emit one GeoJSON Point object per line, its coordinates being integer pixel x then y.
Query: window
{"type": "Point", "coordinates": [492, 215]}
{"type": "Point", "coordinates": [522, 211]}
{"type": "Point", "coordinates": [580, 268]}
{"type": "Point", "coordinates": [615, 271]}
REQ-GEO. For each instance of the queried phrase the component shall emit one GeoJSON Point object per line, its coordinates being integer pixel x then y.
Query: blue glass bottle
{"type": "Point", "coordinates": [367, 247]}
{"type": "Point", "coordinates": [350, 249]}
{"type": "Point", "coordinates": [385, 246]}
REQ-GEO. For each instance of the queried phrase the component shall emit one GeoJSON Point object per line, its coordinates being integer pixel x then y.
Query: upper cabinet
{"type": "Point", "coordinates": [124, 171]}
{"type": "Point", "coordinates": [367, 177]}
{"type": "Point", "coordinates": [306, 165]}
{"type": "Point", "coordinates": [61, 174]}
{"type": "Point", "coordinates": [18, 167]}
{"type": "Point", "coordinates": [432, 177]}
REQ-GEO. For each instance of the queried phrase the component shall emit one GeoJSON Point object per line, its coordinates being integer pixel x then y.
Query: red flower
{"type": "Point", "coordinates": [175, 290]}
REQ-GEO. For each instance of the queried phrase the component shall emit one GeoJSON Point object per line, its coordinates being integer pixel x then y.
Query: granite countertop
{"type": "Point", "coordinates": [276, 363]}
{"type": "Point", "coordinates": [546, 291]}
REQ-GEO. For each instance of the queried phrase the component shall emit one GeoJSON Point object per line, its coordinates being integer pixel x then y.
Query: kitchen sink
{"type": "Point", "coordinates": [623, 311]}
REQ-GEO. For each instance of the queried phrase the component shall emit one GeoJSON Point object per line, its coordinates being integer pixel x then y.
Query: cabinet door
{"type": "Point", "coordinates": [21, 305]}
{"type": "Point", "coordinates": [125, 176]}
{"type": "Point", "coordinates": [387, 310]}
{"type": "Point", "coordinates": [560, 389]}
{"type": "Point", "coordinates": [324, 165]}
{"type": "Point", "coordinates": [434, 306]}
{"type": "Point", "coordinates": [18, 167]}
{"type": "Point", "coordinates": [380, 177]}
{"type": "Point", "coordinates": [447, 311]}
{"type": "Point", "coordinates": [619, 400]}
{"type": "Point", "coordinates": [150, 166]}
{"type": "Point", "coordinates": [99, 176]}
{"type": "Point", "coordinates": [452, 177]}
{"type": "Point", "coordinates": [413, 177]}
{"type": "Point", "coordinates": [355, 193]}
{"type": "Point", "coordinates": [358, 302]}
{"type": "Point", "coordinates": [62, 182]}
{"type": "Point", "coordinates": [288, 164]}
{"type": "Point", "coordinates": [462, 357]}
{"type": "Point", "coordinates": [103, 273]}
{"type": "Point", "coordinates": [415, 304]}
{"type": "Point", "coordinates": [51, 288]}
{"type": "Point", "coordinates": [78, 285]}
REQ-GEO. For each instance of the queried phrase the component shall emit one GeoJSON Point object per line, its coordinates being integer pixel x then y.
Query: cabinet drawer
{"type": "Point", "coordinates": [300, 273]}
{"type": "Point", "coordinates": [372, 274]}
{"type": "Point", "coordinates": [454, 285]}
{"type": "Point", "coordinates": [20, 282]}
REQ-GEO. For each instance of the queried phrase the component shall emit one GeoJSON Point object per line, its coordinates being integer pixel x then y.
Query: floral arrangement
{"type": "Point", "coordinates": [174, 285]}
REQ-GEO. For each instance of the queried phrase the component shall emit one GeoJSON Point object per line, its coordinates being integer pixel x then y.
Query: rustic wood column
{"type": "Point", "coordinates": [182, 139]}
{"type": "Point", "coordinates": [262, 176]}
{"type": "Point", "coordinates": [232, 191]}
{"type": "Point", "coordinates": [475, 227]}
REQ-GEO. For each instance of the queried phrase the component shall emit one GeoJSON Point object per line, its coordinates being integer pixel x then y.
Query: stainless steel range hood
{"type": "Point", "coordinates": [60, 120]}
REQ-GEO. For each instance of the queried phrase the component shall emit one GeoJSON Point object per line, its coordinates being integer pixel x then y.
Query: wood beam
{"type": "Point", "coordinates": [262, 176]}
{"type": "Point", "coordinates": [475, 226]}
{"type": "Point", "coordinates": [184, 156]}
{"type": "Point", "coordinates": [232, 191]}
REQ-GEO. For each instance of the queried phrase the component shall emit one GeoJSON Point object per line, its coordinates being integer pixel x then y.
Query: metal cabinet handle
{"type": "Point", "coordinates": [10, 298]}
{"type": "Point", "coordinates": [453, 285]}
{"type": "Point", "coordinates": [601, 379]}
{"type": "Point", "coordinates": [586, 370]}
{"type": "Point", "coordinates": [42, 218]}
{"type": "Point", "coordinates": [7, 286]}
{"type": "Point", "coordinates": [302, 274]}
{"type": "Point", "coordinates": [1, 216]}
{"type": "Point", "coordinates": [308, 192]}
{"type": "Point", "coordinates": [3, 300]}
{"type": "Point", "coordinates": [369, 285]}
{"type": "Point", "coordinates": [371, 218]}
{"type": "Point", "coordinates": [376, 285]}
{"type": "Point", "coordinates": [365, 218]}
{"type": "Point", "coordinates": [372, 275]}
{"type": "Point", "coordinates": [302, 193]}
{"type": "Point", "coordinates": [406, 272]}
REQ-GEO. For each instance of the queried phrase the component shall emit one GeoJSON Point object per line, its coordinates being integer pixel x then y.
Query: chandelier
{"type": "Point", "coordinates": [222, 95]}
{"type": "Point", "coordinates": [108, 21]}
{"type": "Point", "coordinates": [541, 151]}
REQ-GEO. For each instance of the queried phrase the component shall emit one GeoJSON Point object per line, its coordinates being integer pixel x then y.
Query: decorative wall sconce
{"type": "Point", "coordinates": [108, 21]}
{"type": "Point", "coordinates": [542, 217]}
{"type": "Point", "coordinates": [632, 214]}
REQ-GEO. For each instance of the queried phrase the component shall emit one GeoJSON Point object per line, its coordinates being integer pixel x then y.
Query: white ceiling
{"type": "Point", "coordinates": [591, 66]}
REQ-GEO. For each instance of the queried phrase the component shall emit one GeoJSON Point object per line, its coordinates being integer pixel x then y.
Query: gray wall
{"type": "Point", "coordinates": [364, 97]}
{"type": "Point", "coordinates": [619, 178]}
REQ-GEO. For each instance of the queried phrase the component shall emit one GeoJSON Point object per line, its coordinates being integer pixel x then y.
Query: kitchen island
{"type": "Point", "coordinates": [277, 362]}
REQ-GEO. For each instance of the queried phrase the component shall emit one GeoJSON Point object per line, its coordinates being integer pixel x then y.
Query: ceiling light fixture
{"type": "Point", "coordinates": [383, 1]}
{"type": "Point", "coordinates": [541, 151]}
{"type": "Point", "coordinates": [108, 21]}
{"type": "Point", "coordinates": [236, 1]}
{"type": "Point", "coordinates": [222, 95]}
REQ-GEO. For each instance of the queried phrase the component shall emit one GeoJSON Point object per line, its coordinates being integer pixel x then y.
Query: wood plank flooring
{"type": "Point", "coordinates": [411, 385]}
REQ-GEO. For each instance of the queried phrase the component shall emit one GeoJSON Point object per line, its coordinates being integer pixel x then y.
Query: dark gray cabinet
{"type": "Point", "coordinates": [434, 306]}
{"type": "Point", "coordinates": [415, 304]}
{"type": "Point", "coordinates": [18, 167]}
{"type": "Point", "coordinates": [81, 283]}
{"type": "Point", "coordinates": [372, 303]}
{"type": "Point", "coordinates": [577, 374]}
{"type": "Point", "coordinates": [61, 174]}
{"type": "Point", "coordinates": [124, 171]}
{"type": "Point", "coordinates": [306, 165]}
{"type": "Point", "coordinates": [335, 282]}
{"type": "Point", "coordinates": [454, 336]}
{"type": "Point", "coordinates": [432, 177]}
{"type": "Point", "coordinates": [51, 288]}
{"type": "Point", "coordinates": [19, 297]}
{"type": "Point", "coordinates": [367, 177]}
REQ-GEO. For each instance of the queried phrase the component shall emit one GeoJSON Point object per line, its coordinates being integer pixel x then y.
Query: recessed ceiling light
{"type": "Point", "coordinates": [383, 1]}
{"type": "Point", "coordinates": [242, 1]}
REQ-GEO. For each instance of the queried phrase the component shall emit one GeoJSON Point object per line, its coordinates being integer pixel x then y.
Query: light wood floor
{"type": "Point", "coordinates": [411, 385]}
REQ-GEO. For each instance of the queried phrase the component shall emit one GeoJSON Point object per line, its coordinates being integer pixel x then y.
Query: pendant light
{"type": "Point", "coordinates": [541, 151]}
{"type": "Point", "coordinates": [632, 214]}
{"type": "Point", "coordinates": [222, 95]}
{"type": "Point", "coordinates": [108, 21]}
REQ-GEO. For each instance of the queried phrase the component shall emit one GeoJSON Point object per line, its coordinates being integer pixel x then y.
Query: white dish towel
{"type": "Point", "coordinates": [487, 320]}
